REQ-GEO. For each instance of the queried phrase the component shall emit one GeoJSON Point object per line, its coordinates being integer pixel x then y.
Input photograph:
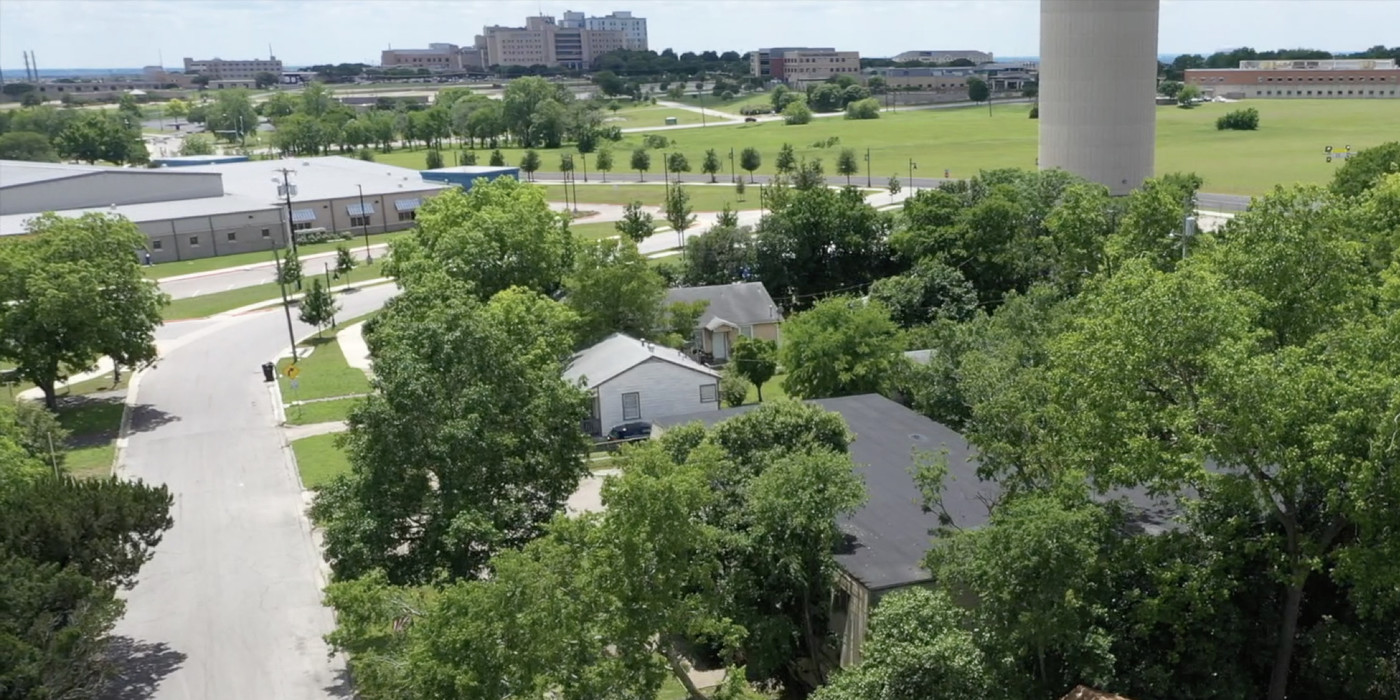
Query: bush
{"type": "Point", "coordinates": [434, 159]}
{"type": "Point", "coordinates": [1239, 120]}
{"type": "Point", "coordinates": [868, 108]}
{"type": "Point", "coordinates": [755, 110]}
{"type": "Point", "coordinates": [365, 154]}
{"type": "Point", "coordinates": [468, 158]}
{"type": "Point", "coordinates": [1035, 112]}
{"type": "Point", "coordinates": [321, 235]}
{"type": "Point", "coordinates": [796, 113]}
{"type": "Point", "coordinates": [733, 389]}
{"type": "Point", "coordinates": [656, 141]}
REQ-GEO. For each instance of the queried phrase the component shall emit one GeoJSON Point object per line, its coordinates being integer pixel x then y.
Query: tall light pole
{"type": "Point", "coordinates": [700, 95]}
{"type": "Point", "coordinates": [286, 190]}
{"type": "Point", "coordinates": [912, 167]}
{"type": "Point", "coordinates": [733, 174]}
{"type": "Point", "coordinates": [369, 258]}
{"type": "Point", "coordinates": [868, 180]}
{"type": "Point", "coordinates": [666, 173]}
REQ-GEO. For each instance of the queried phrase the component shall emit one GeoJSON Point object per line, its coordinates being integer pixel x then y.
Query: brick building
{"type": "Point", "coordinates": [1340, 78]}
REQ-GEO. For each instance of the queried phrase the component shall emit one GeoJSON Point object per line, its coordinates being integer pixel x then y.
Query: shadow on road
{"type": "Point", "coordinates": [139, 667]}
{"type": "Point", "coordinates": [145, 417]}
{"type": "Point", "coordinates": [343, 686]}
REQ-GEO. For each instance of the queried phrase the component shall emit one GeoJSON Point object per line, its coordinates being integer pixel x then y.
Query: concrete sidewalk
{"type": "Point", "coordinates": [352, 345]}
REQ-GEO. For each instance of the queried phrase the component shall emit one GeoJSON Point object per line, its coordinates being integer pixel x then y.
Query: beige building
{"type": "Point", "coordinates": [542, 42]}
{"type": "Point", "coordinates": [208, 210]}
{"type": "Point", "coordinates": [1340, 78]}
{"type": "Point", "coordinates": [802, 64]}
{"type": "Point", "coordinates": [732, 311]}
{"type": "Point", "coordinates": [219, 69]}
{"type": "Point", "coordinates": [437, 57]}
{"type": "Point", "coordinates": [945, 56]}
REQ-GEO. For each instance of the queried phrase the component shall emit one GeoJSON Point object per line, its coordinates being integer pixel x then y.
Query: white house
{"type": "Point", "coordinates": [636, 380]}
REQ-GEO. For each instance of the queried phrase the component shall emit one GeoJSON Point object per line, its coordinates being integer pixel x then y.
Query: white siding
{"type": "Point", "coordinates": [666, 389]}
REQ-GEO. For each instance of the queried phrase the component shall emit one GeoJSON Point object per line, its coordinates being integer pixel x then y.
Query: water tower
{"type": "Point", "coordinates": [1098, 87]}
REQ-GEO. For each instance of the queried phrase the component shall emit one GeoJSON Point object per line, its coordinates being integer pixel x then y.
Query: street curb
{"type": "Point", "coordinates": [124, 432]}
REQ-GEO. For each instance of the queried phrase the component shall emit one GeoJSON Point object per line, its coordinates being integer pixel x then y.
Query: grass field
{"type": "Point", "coordinates": [324, 373]}
{"type": "Point", "coordinates": [650, 116]}
{"type": "Point", "coordinates": [593, 232]}
{"type": "Point", "coordinates": [702, 197]}
{"type": "Point", "coordinates": [1286, 149]}
{"type": "Point", "coordinates": [186, 267]}
{"type": "Point", "coordinates": [731, 106]}
{"type": "Point", "coordinates": [772, 390]}
{"type": "Point", "coordinates": [210, 304]}
{"type": "Point", "coordinates": [319, 460]}
{"type": "Point", "coordinates": [93, 425]}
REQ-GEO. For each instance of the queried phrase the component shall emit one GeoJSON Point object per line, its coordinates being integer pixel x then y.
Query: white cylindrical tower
{"type": "Point", "coordinates": [1098, 87]}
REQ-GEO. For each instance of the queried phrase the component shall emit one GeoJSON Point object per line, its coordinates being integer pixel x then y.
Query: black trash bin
{"type": "Point", "coordinates": [269, 371]}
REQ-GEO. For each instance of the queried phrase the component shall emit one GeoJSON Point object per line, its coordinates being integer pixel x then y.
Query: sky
{"type": "Point", "coordinates": [134, 33]}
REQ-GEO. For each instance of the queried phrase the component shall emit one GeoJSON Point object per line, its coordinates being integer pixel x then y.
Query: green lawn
{"type": "Point", "coordinates": [772, 390]}
{"type": "Point", "coordinates": [1287, 148]}
{"type": "Point", "coordinates": [93, 426]}
{"type": "Point", "coordinates": [210, 304]}
{"type": "Point", "coordinates": [323, 374]}
{"type": "Point", "coordinates": [319, 460]}
{"type": "Point", "coordinates": [186, 267]}
{"type": "Point", "coordinates": [650, 115]}
{"type": "Point", "coordinates": [320, 411]}
{"type": "Point", "coordinates": [731, 106]}
{"type": "Point", "coordinates": [593, 232]}
{"type": "Point", "coordinates": [702, 197]}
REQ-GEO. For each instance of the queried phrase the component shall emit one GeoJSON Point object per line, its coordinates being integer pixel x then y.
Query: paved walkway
{"type": "Point", "coordinates": [352, 345]}
{"type": "Point", "coordinates": [297, 432]}
{"type": "Point", "coordinates": [104, 367]}
{"type": "Point", "coordinates": [720, 116]}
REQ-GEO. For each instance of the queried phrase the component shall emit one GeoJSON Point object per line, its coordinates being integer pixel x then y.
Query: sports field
{"type": "Point", "coordinates": [1286, 149]}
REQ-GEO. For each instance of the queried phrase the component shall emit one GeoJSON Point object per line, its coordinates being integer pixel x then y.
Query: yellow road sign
{"type": "Point", "coordinates": [292, 371]}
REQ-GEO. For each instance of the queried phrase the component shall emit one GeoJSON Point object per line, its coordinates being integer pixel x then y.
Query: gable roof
{"type": "Point", "coordinates": [889, 535]}
{"type": "Point", "coordinates": [739, 303]}
{"type": "Point", "coordinates": [618, 353]}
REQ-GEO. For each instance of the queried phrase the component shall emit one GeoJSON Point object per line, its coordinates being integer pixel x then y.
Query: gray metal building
{"type": "Point", "coordinates": [207, 210]}
{"type": "Point", "coordinates": [1098, 83]}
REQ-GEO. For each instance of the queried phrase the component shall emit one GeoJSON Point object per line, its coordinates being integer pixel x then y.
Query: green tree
{"type": "Point", "coordinates": [495, 236]}
{"type": "Point", "coordinates": [677, 163]}
{"type": "Point", "coordinates": [977, 90]}
{"type": "Point", "coordinates": [289, 269]}
{"type": "Point", "coordinates": [177, 108]}
{"type": "Point", "coordinates": [264, 80]}
{"type": "Point", "coordinates": [636, 224]}
{"type": "Point", "coordinates": [197, 145]}
{"type": "Point", "coordinates": [439, 447]}
{"type": "Point", "coordinates": [750, 160]}
{"type": "Point", "coordinates": [613, 290]}
{"type": "Point", "coordinates": [530, 163]}
{"type": "Point", "coordinates": [917, 648]}
{"type": "Point", "coordinates": [317, 307]}
{"type": "Point", "coordinates": [826, 97]}
{"type": "Point", "coordinates": [344, 262]}
{"type": "Point", "coordinates": [586, 142]}
{"type": "Point", "coordinates": [1365, 168]}
{"type": "Point", "coordinates": [434, 160]}
{"type": "Point", "coordinates": [733, 387]}
{"type": "Point", "coordinates": [756, 360]}
{"type": "Point", "coordinates": [711, 165]}
{"type": "Point", "coordinates": [739, 188]}
{"type": "Point", "coordinates": [604, 162]}
{"type": "Point", "coordinates": [27, 145]}
{"type": "Point", "coordinates": [724, 254]}
{"type": "Point", "coordinates": [533, 111]}
{"type": "Point", "coordinates": [641, 162]}
{"type": "Point", "coordinates": [781, 97]}
{"type": "Point", "coordinates": [893, 186]}
{"type": "Point", "coordinates": [797, 113]}
{"type": "Point", "coordinates": [840, 346]}
{"type": "Point", "coordinates": [678, 212]}
{"type": "Point", "coordinates": [928, 292]}
{"type": "Point", "coordinates": [279, 105]}
{"type": "Point", "coordinates": [231, 114]}
{"type": "Point", "coordinates": [868, 108]}
{"type": "Point", "coordinates": [75, 291]}
{"type": "Point", "coordinates": [498, 159]}
{"type": "Point", "coordinates": [727, 218]}
{"type": "Point", "coordinates": [316, 99]}
{"type": "Point", "coordinates": [819, 241]}
{"type": "Point", "coordinates": [95, 135]}
{"type": "Point", "coordinates": [848, 164]}
{"type": "Point", "coordinates": [1169, 88]}
{"type": "Point", "coordinates": [787, 160]}
{"type": "Point", "coordinates": [1188, 94]}
{"type": "Point", "coordinates": [127, 106]}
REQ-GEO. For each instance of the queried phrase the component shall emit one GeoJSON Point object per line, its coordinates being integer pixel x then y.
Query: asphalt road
{"type": "Point", "coordinates": [216, 281]}
{"type": "Point", "coordinates": [230, 606]}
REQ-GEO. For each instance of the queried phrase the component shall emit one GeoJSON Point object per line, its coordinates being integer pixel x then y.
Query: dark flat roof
{"type": "Point", "coordinates": [889, 535]}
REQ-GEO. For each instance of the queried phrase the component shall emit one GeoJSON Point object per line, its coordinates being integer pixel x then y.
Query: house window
{"type": "Point", "coordinates": [302, 226]}
{"type": "Point", "coordinates": [408, 215]}
{"type": "Point", "coordinates": [746, 331]}
{"type": "Point", "coordinates": [156, 245]}
{"type": "Point", "coordinates": [631, 406]}
{"type": "Point", "coordinates": [267, 233]}
{"type": "Point", "coordinates": [359, 221]}
{"type": "Point", "coordinates": [709, 393]}
{"type": "Point", "coordinates": [194, 241]}
{"type": "Point", "coordinates": [232, 236]}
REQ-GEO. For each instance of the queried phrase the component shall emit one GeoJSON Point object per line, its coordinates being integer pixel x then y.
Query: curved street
{"type": "Point", "coordinates": [229, 608]}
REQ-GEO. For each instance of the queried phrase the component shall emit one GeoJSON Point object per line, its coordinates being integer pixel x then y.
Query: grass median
{"type": "Point", "coordinates": [702, 197]}
{"type": "Point", "coordinates": [319, 460]}
{"type": "Point", "coordinates": [217, 303]}
{"type": "Point", "coordinates": [322, 374]}
{"type": "Point", "coordinates": [320, 411]}
{"type": "Point", "coordinates": [221, 262]}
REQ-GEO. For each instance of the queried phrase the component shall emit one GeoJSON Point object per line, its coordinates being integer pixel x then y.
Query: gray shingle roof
{"type": "Point", "coordinates": [889, 536]}
{"type": "Point", "coordinates": [618, 353]}
{"type": "Point", "coordinates": [743, 303]}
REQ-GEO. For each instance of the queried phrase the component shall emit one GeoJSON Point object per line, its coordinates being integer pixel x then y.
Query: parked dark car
{"type": "Point", "coordinates": [630, 431]}
{"type": "Point", "coordinates": [750, 119]}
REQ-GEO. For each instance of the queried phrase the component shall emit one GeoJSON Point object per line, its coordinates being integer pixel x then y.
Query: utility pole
{"type": "Point", "coordinates": [287, 310]}
{"type": "Point", "coordinates": [733, 174]}
{"type": "Point", "coordinates": [369, 258]}
{"type": "Point", "coordinates": [700, 95]}
{"type": "Point", "coordinates": [666, 173]}
{"type": "Point", "coordinates": [868, 179]}
{"type": "Point", "coordinates": [286, 190]}
{"type": "Point", "coordinates": [912, 167]}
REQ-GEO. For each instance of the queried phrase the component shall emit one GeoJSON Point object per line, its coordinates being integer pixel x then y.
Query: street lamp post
{"type": "Point", "coordinates": [700, 95]}
{"type": "Point", "coordinates": [287, 310]}
{"type": "Point", "coordinates": [733, 174]}
{"type": "Point", "coordinates": [912, 167]}
{"type": "Point", "coordinates": [285, 189]}
{"type": "Point", "coordinates": [369, 257]}
{"type": "Point", "coordinates": [868, 179]}
{"type": "Point", "coordinates": [666, 173]}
